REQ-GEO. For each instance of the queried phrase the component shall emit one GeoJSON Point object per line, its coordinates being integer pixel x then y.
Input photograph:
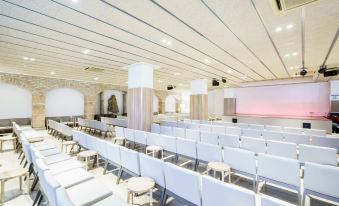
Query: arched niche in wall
{"type": "Point", "coordinates": [103, 97]}
{"type": "Point", "coordinates": [155, 104]}
{"type": "Point", "coordinates": [15, 102]}
{"type": "Point", "coordinates": [170, 104]}
{"type": "Point", "coordinates": [64, 102]}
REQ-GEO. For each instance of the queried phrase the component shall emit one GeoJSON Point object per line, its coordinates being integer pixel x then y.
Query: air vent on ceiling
{"type": "Point", "coordinates": [93, 69]}
{"type": "Point", "coordinates": [285, 5]}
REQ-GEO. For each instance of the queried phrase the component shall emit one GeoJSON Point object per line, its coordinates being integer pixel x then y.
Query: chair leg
{"type": "Point", "coordinates": [40, 199]}
{"type": "Point", "coordinates": [163, 192]}
{"type": "Point", "coordinates": [119, 175]}
{"type": "Point", "coordinates": [25, 164]}
{"type": "Point", "coordinates": [35, 182]}
{"type": "Point", "coordinates": [37, 197]}
{"type": "Point", "coordinates": [22, 159]}
{"type": "Point", "coordinates": [105, 167]}
{"type": "Point", "coordinates": [20, 154]}
{"type": "Point", "coordinates": [164, 200]}
{"type": "Point", "coordinates": [196, 165]}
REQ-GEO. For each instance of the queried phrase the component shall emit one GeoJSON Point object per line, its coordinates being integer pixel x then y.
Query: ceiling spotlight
{"type": "Point", "coordinates": [75, 1]}
{"type": "Point", "coordinates": [96, 78]}
{"type": "Point", "coordinates": [223, 80]}
{"type": "Point", "coordinates": [160, 81]}
{"type": "Point", "coordinates": [126, 82]}
{"type": "Point", "coordinates": [289, 26]}
{"type": "Point", "coordinates": [26, 58]}
{"type": "Point", "coordinates": [177, 74]}
{"type": "Point", "coordinates": [180, 84]}
{"type": "Point", "coordinates": [229, 71]}
{"type": "Point", "coordinates": [291, 68]}
{"type": "Point", "coordinates": [86, 51]}
{"type": "Point", "coordinates": [52, 73]}
{"type": "Point", "coordinates": [170, 87]}
{"type": "Point", "coordinates": [287, 55]}
{"type": "Point", "coordinates": [322, 69]}
{"type": "Point", "coordinates": [207, 61]}
{"type": "Point", "coordinates": [166, 42]}
{"type": "Point", "coordinates": [244, 77]}
{"type": "Point", "coordinates": [32, 59]}
{"type": "Point", "coordinates": [215, 82]}
{"type": "Point", "coordinates": [294, 53]}
{"type": "Point", "coordinates": [303, 71]}
{"type": "Point", "coordinates": [278, 29]}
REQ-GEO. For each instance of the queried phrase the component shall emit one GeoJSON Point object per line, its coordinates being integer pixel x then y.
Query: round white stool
{"type": "Point", "coordinates": [154, 149]}
{"type": "Point", "coordinates": [221, 167]}
{"type": "Point", "coordinates": [137, 185]}
{"type": "Point", "coordinates": [87, 155]}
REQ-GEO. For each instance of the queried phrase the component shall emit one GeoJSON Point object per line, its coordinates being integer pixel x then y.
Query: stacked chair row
{"type": "Point", "coordinates": [211, 135]}
{"type": "Point", "coordinates": [62, 180]}
{"type": "Point", "coordinates": [94, 126]}
{"type": "Point", "coordinates": [114, 121]}
{"type": "Point", "coordinates": [207, 126]}
{"type": "Point", "coordinates": [185, 185]}
{"type": "Point", "coordinates": [59, 130]}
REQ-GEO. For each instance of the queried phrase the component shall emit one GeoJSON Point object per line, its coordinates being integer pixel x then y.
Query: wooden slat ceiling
{"type": "Point", "coordinates": [239, 40]}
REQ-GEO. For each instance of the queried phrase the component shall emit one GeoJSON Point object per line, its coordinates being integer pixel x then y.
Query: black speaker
{"type": "Point", "coordinates": [306, 125]}
{"type": "Point", "coordinates": [330, 73]}
{"type": "Point", "coordinates": [234, 120]}
{"type": "Point", "coordinates": [215, 83]}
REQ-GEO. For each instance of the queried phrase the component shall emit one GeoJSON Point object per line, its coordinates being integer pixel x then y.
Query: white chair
{"type": "Point", "coordinates": [321, 181]}
{"type": "Point", "coordinates": [209, 137]}
{"type": "Point", "coordinates": [273, 128]}
{"type": "Point", "coordinates": [155, 128]}
{"type": "Point", "coordinates": [182, 125]}
{"type": "Point", "coordinates": [166, 130]}
{"type": "Point", "coordinates": [256, 126]}
{"type": "Point", "coordinates": [253, 144]}
{"type": "Point", "coordinates": [273, 135]}
{"type": "Point", "coordinates": [233, 131]}
{"type": "Point", "coordinates": [153, 139]}
{"type": "Point", "coordinates": [182, 184]}
{"type": "Point", "coordinates": [129, 134]}
{"type": "Point", "coordinates": [270, 201]}
{"type": "Point", "coordinates": [187, 121]}
{"type": "Point", "coordinates": [241, 125]}
{"type": "Point", "coordinates": [282, 149]}
{"type": "Point", "coordinates": [297, 138]}
{"type": "Point", "coordinates": [315, 132]}
{"type": "Point", "coordinates": [222, 123]}
{"type": "Point", "coordinates": [293, 130]}
{"type": "Point", "coordinates": [251, 133]}
{"type": "Point", "coordinates": [195, 121]}
{"type": "Point", "coordinates": [169, 143]}
{"type": "Point", "coordinates": [119, 131]}
{"type": "Point", "coordinates": [129, 163]}
{"type": "Point", "coordinates": [218, 129]}
{"type": "Point", "coordinates": [332, 142]}
{"type": "Point", "coordinates": [179, 132]}
{"type": "Point", "coordinates": [244, 163]}
{"type": "Point", "coordinates": [206, 122]}
{"type": "Point", "coordinates": [316, 154]}
{"type": "Point", "coordinates": [187, 149]}
{"type": "Point", "coordinates": [113, 156]}
{"type": "Point", "coordinates": [192, 126]}
{"type": "Point", "coordinates": [209, 153]}
{"type": "Point", "coordinates": [229, 141]}
{"type": "Point", "coordinates": [280, 171]}
{"type": "Point", "coordinates": [206, 127]}
{"type": "Point", "coordinates": [140, 137]}
{"type": "Point", "coordinates": [193, 134]}
{"type": "Point", "coordinates": [215, 192]}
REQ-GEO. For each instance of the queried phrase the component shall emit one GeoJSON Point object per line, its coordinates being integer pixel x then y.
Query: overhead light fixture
{"type": "Point", "coordinates": [86, 51]}
{"type": "Point", "coordinates": [278, 29]}
{"type": "Point", "coordinates": [126, 82]}
{"type": "Point", "coordinates": [170, 87]}
{"type": "Point", "coordinates": [32, 59]}
{"type": "Point", "coordinates": [229, 71]}
{"type": "Point", "coordinates": [294, 53]}
{"type": "Point", "coordinates": [177, 74]}
{"type": "Point", "coordinates": [25, 58]}
{"type": "Point", "coordinates": [243, 77]}
{"type": "Point", "coordinates": [166, 42]}
{"type": "Point", "coordinates": [180, 84]}
{"type": "Point", "coordinates": [75, 1]}
{"type": "Point", "coordinates": [96, 78]}
{"type": "Point", "coordinates": [160, 81]}
{"type": "Point", "coordinates": [207, 61]}
{"type": "Point", "coordinates": [322, 69]}
{"type": "Point", "coordinates": [215, 82]}
{"type": "Point", "coordinates": [287, 55]}
{"type": "Point", "coordinates": [291, 68]}
{"type": "Point", "coordinates": [303, 71]}
{"type": "Point", "coordinates": [289, 26]}
{"type": "Point", "coordinates": [52, 73]}
{"type": "Point", "coordinates": [223, 80]}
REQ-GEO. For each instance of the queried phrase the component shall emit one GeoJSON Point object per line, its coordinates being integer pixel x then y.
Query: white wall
{"type": "Point", "coordinates": [185, 101]}
{"type": "Point", "coordinates": [155, 104]}
{"type": "Point", "coordinates": [64, 102]}
{"type": "Point", "coordinates": [216, 102]}
{"type": "Point", "coordinates": [15, 102]}
{"type": "Point", "coordinates": [335, 87]}
{"type": "Point", "coordinates": [170, 104]}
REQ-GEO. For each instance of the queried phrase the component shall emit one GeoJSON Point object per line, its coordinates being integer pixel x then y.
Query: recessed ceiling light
{"type": "Point", "coordinates": [96, 78]}
{"type": "Point", "coordinates": [166, 42]}
{"type": "Point", "coordinates": [294, 53]}
{"type": "Point", "coordinates": [75, 1]}
{"type": "Point", "coordinates": [243, 77]}
{"type": "Point", "coordinates": [287, 55]}
{"type": "Point", "coordinates": [126, 82]}
{"type": "Point", "coordinates": [180, 84]}
{"type": "Point", "coordinates": [297, 67]}
{"type": "Point", "coordinates": [160, 81]}
{"type": "Point", "coordinates": [86, 51]}
{"type": "Point", "coordinates": [25, 58]}
{"type": "Point", "coordinates": [32, 59]}
{"type": "Point", "coordinates": [229, 71]}
{"type": "Point", "coordinates": [177, 74]}
{"type": "Point", "coordinates": [291, 68]}
{"type": "Point", "coordinates": [289, 26]}
{"type": "Point", "coordinates": [207, 61]}
{"type": "Point", "coordinates": [278, 29]}
{"type": "Point", "coordinates": [52, 73]}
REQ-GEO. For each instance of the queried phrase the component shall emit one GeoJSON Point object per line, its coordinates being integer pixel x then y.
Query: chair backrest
{"type": "Point", "coordinates": [129, 134]}
{"type": "Point", "coordinates": [113, 153]}
{"type": "Point", "coordinates": [130, 160]}
{"type": "Point", "coordinates": [155, 128]}
{"type": "Point", "coordinates": [297, 138]}
{"type": "Point", "coordinates": [316, 154]}
{"type": "Point", "coordinates": [241, 160]}
{"type": "Point", "coordinates": [229, 140]}
{"type": "Point", "coordinates": [182, 125]}
{"type": "Point", "coordinates": [273, 128]}
{"type": "Point", "coordinates": [92, 143]}
{"type": "Point", "coordinates": [209, 137]}
{"type": "Point", "coordinates": [282, 149]}
{"type": "Point", "coordinates": [195, 121]}
{"type": "Point", "coordinates": [256, 126]}
{"type": "Point", "coordinates": [293, 130]}
{"type": "Point", "coordinates": [219, 129]}
{"type": "Point", "coordinates": [152, 168]}
{"type": "Point", "coordinates": [209, 152]}
{"type": "Point", "coordinates": [233, 131]}
{"type": "Point", "coordinates": [166, 130]}
{"type": "Point", "coordinates": [62, 197]}
{"type": "Point", "coordinates": [140, 137]}
{"type": "Point", "coordinates": [51, 186]}
{"type": "Point", "coordinates": [179, 132]}
{"type": "Point", "coordinates": [253, 144]}
{"type": "Point", "coordinates": [193, 134]}
{"type": "Point", "coordinates": [270, 201]}
{"type": "Point", "coordinates": [215, 192]}
{"type": "Point", "coordinates": [168, 143]}
{"type": "Point", "coordinates": [251, 133]}
{"type": "Point", "coordinates": [192, 126]}
{"type": "Point", "coordinates": [205, 122]}
{"type": "Point", "coordinates": [205, 127]}
{"type": "Point", "coordinates": [316, 132]}
{"type": "Point", "coordinates": [273, 135]}
{"type": "Point", "coordinates": [280, 169]}
{"type": "Point", "coordinates": [241, 125]}
{"type": "Point", "coordinates": [323, 141]}
{"type": "Point", "coordinates": [183, 183]}
{"type": "Point", "coordinates": [187, 147]}
{"type": "Point", "coordinates": [323, 179]}
{"type": "Point", "coordinates": [153, 139]}
{"type": "Point", "coordinates": [102, 148]}
{"type": "Point", "coordinates": [119, 131]}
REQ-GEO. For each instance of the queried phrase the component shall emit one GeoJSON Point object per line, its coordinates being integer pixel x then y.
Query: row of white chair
{"type": "Point", "coordinates": [114, 121]}
{"type": "Point", "coordinates": [211, 126]}
{"type": "Point", "coordinates": [185, 185]}
{"type": "Point", "coordinates": [94, 126]}
{"type": "Point", "coordinates": [213, 136]}
{"type": "Point", "coordinates": [59, 129]}
{"type": "Point", "coordinates": [62, 180]}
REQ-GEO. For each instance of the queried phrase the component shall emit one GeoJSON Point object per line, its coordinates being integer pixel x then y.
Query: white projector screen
{"type": "Point", "coordinates": [311, 99]}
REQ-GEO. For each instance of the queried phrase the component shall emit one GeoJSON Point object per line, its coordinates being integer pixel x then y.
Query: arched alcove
{"type": "Point", "coordinates": [102, 101]}
{"type": "Point", "coordinates": [64, 102]}
{"type": "Point", "coordinates": [15, 102]}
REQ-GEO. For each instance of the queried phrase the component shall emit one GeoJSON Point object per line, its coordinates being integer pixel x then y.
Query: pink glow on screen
{"type": "Point", "coordinates": [311, 99]}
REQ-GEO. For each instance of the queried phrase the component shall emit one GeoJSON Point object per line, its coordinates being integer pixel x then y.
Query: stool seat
{"type": "Point", "coordinates": [35, 139]}
{"type": "Point", "coordinates": [218, 166]}
{"type": "Point", "coordinates": [87, 153]}
{"type": "Point", "coordinates": [119, 138]}
{"type": "Point", "coordinates": [140, 184]}
{"type": "Point", "coordinates": [6, 175]}
{"type": "Point", "coordinates": [154, 148]}
{"type": "Point", "coordinates": [7, 138]}
{"type": "Point", "coordinates": [71, 142]}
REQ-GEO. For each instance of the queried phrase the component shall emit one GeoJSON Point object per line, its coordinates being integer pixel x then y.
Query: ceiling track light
{"type": "Point", "coordinates": [322, 69]}
{"type": "Point", "coordinates": [303, 71]}
{"type": "Point", "coordinates": [223, 80]}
